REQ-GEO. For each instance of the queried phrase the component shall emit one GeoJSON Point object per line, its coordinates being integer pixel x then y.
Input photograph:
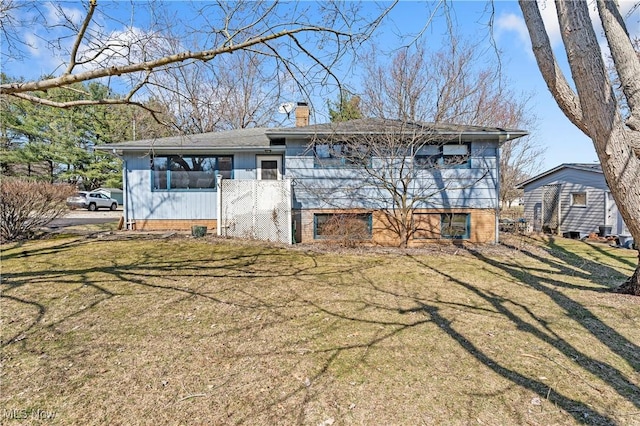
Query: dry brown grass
{"type": "Point", "coordinates": [207, 331]}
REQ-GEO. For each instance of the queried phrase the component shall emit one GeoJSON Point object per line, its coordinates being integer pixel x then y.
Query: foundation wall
{"type": "Point", "coordinates": [173, 224]}
{"type": "Point", "coordinates": [482, 226]}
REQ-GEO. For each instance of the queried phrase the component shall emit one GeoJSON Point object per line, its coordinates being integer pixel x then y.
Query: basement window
{"type": "Point", "coordinates": [342, 226]}
{"type": "Point", "coordinates": [455, 226]}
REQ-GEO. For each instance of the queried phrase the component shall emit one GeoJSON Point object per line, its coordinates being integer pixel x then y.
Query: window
{"type": "Point", "coordinates": [448, 155]}
{"type": "Point", "coordinates": [345, 226]}
{"type": "Point", "coordinates": [455, 225]}
{"type": "Point", "coordinates": [579, 199]}
{"type": "Point", "coordinates": [339, 154]}
{"type": "Point", "coordinates": [185, 172]}
{"type": "Point", "coordinates": [428, 156]}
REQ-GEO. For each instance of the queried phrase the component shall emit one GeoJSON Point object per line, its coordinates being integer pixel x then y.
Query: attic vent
{"type": "Point", "coordinates": [277, 141]}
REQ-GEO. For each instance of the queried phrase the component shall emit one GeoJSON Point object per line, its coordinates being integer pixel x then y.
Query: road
{"type": "Point", "coordinates": [85, 217]}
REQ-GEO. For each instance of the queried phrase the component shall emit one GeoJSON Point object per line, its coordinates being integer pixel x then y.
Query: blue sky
{"type": "Point", "coordinates": [563, 141]}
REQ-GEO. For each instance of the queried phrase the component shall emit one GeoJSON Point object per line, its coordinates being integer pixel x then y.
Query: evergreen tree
{"type": "Point", "coordinates": [53, 144]}
{"type": "Point", "coordinates": [346, 108]}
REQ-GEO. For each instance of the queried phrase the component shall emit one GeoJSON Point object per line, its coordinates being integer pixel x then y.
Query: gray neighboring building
{"type": "Point", "coordinates": [572, 199]}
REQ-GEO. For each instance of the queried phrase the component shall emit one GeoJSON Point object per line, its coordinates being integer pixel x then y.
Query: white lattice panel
{"type": "Point", "coordinates": [256, 209]}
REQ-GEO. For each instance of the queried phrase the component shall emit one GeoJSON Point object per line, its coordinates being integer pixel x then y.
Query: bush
{"type": "Point", "coordinates": [346, 229]}
{"type": "Point", "coordinates": [26, 206]}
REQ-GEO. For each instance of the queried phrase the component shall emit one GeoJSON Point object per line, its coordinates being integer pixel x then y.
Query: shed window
{"type": "Point", "coordinates": [579, 199]}
{"type": "Point", "coordinates": [186, 172]}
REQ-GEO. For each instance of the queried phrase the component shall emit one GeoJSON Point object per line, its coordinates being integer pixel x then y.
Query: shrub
{"type": "Point", "coordinates": [26, 206]}
{"type": "Point", "coordinates": [346, 229]}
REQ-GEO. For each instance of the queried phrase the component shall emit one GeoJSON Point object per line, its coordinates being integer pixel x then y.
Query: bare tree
{"type": "Point", "coordinates": [593, 106]}
{"type": "Point", "coordinates": [238, 91]}
{"type": "Point", "coordinates": [452, 85]}
{"type": "Point", "coordinates": [306, 41]}
{"type": "Point", "coordinates": [519, 158]}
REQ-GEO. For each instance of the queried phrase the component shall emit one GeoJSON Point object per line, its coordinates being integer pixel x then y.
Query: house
{"type": "Point", "coordinates": [572, 199]}
{"type": "Point", "coordinates": [290, 184]}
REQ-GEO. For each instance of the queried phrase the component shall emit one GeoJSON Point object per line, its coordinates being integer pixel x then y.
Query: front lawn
{"type": "Point", "coordinates": [208, 331]}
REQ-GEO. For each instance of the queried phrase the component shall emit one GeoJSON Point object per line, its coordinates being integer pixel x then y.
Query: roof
{"type": "Point", "coordinates": [260, 137]}
{"type": "Point", "coordinates": [587, 167]}
{"type": "Point", "coordinates": [381, 125]}
{"type": "Point", "coordinates": [239, 139]}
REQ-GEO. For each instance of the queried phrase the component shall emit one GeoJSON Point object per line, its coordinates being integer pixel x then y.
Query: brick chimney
{"type": "Point", "coordinates": [302, 114]}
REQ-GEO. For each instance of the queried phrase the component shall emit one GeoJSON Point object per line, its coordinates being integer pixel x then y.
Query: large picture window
{"type": "Point", "coordinates": [189, 172]}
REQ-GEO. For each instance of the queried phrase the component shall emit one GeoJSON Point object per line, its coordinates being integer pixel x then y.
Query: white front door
{"type": "Point", "coordinates": [269, 167]}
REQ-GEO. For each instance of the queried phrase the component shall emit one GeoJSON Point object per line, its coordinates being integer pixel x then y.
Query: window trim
{"type": "Point", "coordinates": [260, 158]}
{"type": "Point", "coordinates": [586, 199]}
{"type": "Point", "coordinates": [216, 172]}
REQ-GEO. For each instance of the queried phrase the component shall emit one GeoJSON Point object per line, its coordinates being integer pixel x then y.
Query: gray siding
{"type": "Point", "coordinates": [316, 188]}
{"type": "Point", "coordinates": [572, 218]}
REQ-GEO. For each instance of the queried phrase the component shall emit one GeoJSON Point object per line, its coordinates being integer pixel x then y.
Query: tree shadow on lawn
{"type": "Point", "coordinates": [158, 273]}
{"type": "Point", "coordinates": [161, 274]}
{"type": "Point", "coordinates": [57, 247]}
{"type": "Point", "coordinates": [614, 341]}
{"type": "Point", "coordinates": [580, 411]}
{"type": "Point", "coordinates": [566, 262]}
{"type": "Point", "coordinates": [154, 273]}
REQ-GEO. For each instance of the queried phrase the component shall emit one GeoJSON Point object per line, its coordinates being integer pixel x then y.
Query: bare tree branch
{"type": "Point", "coordinates": [80, 37]}
{"type": "Point", "coordinates": [205, 55]}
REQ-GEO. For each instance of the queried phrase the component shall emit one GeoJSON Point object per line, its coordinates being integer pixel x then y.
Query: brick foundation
{"type": "Point", "coordinates": [482, 226]}
{"type": "Point", "coordinates": [173, 224]}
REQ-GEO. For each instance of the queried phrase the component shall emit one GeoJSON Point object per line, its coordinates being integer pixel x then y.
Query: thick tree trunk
{"type": "Point", "coordinates": [632, 285]}
{"type": "Point", "coordinates": [597, 112]}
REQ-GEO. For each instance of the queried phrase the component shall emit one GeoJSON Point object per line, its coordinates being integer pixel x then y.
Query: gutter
{"type": "Point", "coordinates": [473, 136]}
{"type": "Point", "coordinates": [137, 148]}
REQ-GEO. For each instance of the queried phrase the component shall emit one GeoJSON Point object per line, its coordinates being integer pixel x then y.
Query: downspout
{"type": "Point", "coordinates": [125, 194]}
{"type": "Point", "coordinates": [219, 205]}
{"type": "Point", "coordinates": [498, 152]}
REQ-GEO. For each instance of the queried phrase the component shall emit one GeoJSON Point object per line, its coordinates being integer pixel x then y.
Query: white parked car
{"type": "Point", "coordinates": [91, 201]}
